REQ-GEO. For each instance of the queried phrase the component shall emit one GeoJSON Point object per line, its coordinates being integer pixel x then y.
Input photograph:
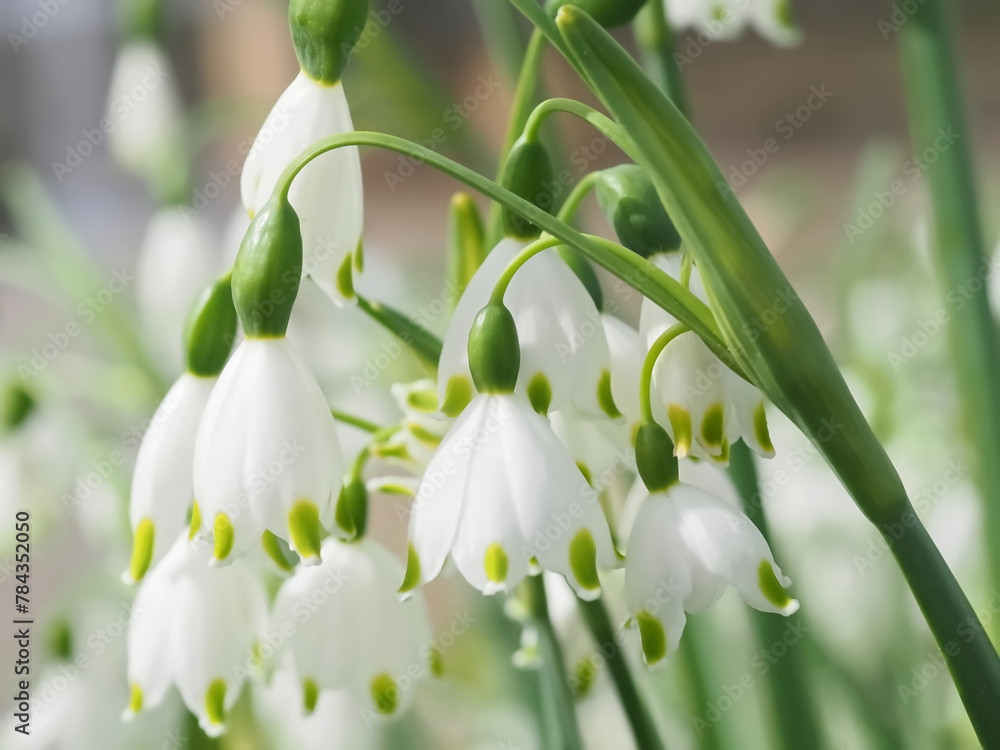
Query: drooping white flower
{"type": "Point", "coordinates": [327, 193]}
{"type": "Point", "coordinates": [564, 352]}
{"type": "Point", "coordinates": [421, 429]}
{"type": "Point", "coordinates": [176, 260]}
{"type": "Point", "coordinates": [196, 627]}
{"type": "Point", "coordinates": [163, 480]}
{"type": "Point", "coordinates": [352, 632]}
{"type": "Point", "coordinates": [501, 496]}
{"type": "Point", "coordinates": [686, 546]}
{"type": "Point", "coordinates": [704, 405]}
{"type": "Point", "coordinates": [728, 19]}
{"type": "Point", "coordinates": [143, 109]}
{"type": "Point", "coordinates": [267, 455]}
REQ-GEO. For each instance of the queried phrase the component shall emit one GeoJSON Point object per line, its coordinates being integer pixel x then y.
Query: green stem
{"type": "Point", "coordinates": [647, 736]}
{"type": "Point", "coordinates": [543, 243]}
{"type": "Point", "coordinates": [553, 664]}
{"type": "Point", "coordinates": [793, 714]}
{"type": "Point", "coordinates": [504, 44]}
{"type": "Point", "coordinates": [580, 191]}
{"type": "Point", "coordinates": [939, 127]}
{"type": "Point", "coordinates": [602, 122]}
{"type": "Point", "coordinates": [656, 40]}
{"type": "Point", "coordinates": [359, 422]}
{"type": "Point", "coordinates": [693, 655]}
{"type": "Point", "coordinates": [646, 377]}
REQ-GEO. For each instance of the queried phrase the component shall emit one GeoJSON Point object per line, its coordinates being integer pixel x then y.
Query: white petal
{"type": "Point", "coordinates": [750, 418]}
{"type": "Point", "coordinates": [627, 354]}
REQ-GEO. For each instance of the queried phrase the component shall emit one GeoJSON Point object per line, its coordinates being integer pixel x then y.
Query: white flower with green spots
{"type": "Point", "coordinates": [704, 406]}
{"type": "Point", "coordinates": [267, 455]}
{"type": "Point", "coordinates": [686, 546]}
{"type": "Point", "coordinates": [351, 632]}
{"type": "Point", "coordinates": [196, 627]}
{"type": "Point", "coordinates": [564, 352]}
{"type": "Point", "coordinates": [728, 19]}
{"type": "Point", "coordinates": [163, 481]}
{"type": "Point", "coordinates": [502, 498]}
{"type": "Point", "coordinates": [327, 194]}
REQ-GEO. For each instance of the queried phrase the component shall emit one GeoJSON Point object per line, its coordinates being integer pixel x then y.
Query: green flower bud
{"type": "Point", "coordinates": [211, 329]}
{"type": "Point", "coordinates": [16, 405]}
{"type": "Point", "coordinates": [654, 457]}
{"type": "Point", "coordinates": [324, 33]}
{"type": "Point", "coordinates": [141, 19]}
{"type": "Point", "coordinates": [584, 271]}
{"type": "Point", "coordinates": [268, 270]}
{"type": "Point", "coordinates": [527, 173]}
{"type": "Point", "coordinates": [608, 13]}
{"type": "Point", "coordinates": [466, 241]}
{"type": "Point", "coordinates": [633, 208]}
{"type": "Point", "coordinates": [494, 351]}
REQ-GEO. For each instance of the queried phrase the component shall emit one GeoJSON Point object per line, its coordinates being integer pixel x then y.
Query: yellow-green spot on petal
{"type": "Point", "coordinates": [425, 400]}
{"type": "Point", "coordinates": [303, 528]}
{"type": "Point", "coordinates": [256, 655]}
{"type": "Point", "coordinates": [772, 589]}
{"type": "Point", "coordinates": [436, 661]}
{"type": "Point", "coordinates": [412, 577]}
{"type": "Point", "coordinates": [359, 256]}
{"type": "Point", "coordinates": [142, 549]}
{"type": "Point", "coordinates": [634, 433]}
{"type": "Point", "coordinates": [783, 14]}
{"type": "Point", "coordinates": [723, 457]}
{"type": "Point", "coordinates": [345, 279]}
{"type": "Point", "coordinates": [393, 488]}
{"type": "Point", "coordinates": [224, 536]}
{"type": "Point", "coordinates": [391, 450]}
{"type": "Point", "coordinates": [215, 701]}
{"type": "Point", "coordinates": [457, 395]}
{"type": "Point", "coordinates": [496, 563]}
{"type": "Point", "coordinates": [583, 560]}
{"type": "Point", "coordinates": [680, 421]}
{"type": "Point", "coordinates": [540, 393]}
{"type": "Point", "coordinates": [195, 520]}
{"type": "Point", "coordinates": [760, 432]}
{"type": "Point", "coordinates": [342, 514]}
{"type": "Point", "coordinates": [135, 698]}
{"type": "Point", "coordinates": [604, 398]}
{"type": "Point", "coordinates": [272, 546]}
{"type": "Point", "coordinates": [586, 472]}
{"type": "Point", "coordinates": [712, 424]}
{"type": "Point", "coordinates": [586, 672]}
{"type": "Point", "coordinates": [533, 562]}
{"type": "Point", "coordinates": [385, 694]}
{"type": "Point", "coordinates": [310, 695]}
{"type": "Point", "coordinates": [653, 637]}
{"type": "Point", "coordinates": [423, 435]}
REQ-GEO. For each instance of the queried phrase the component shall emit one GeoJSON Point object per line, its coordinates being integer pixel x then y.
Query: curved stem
{"type": "Point", "coordinates": [543, 243]}
{"type": "Point", "coordinates": [595, 614]}
{"type": "Point", "coordinates": [608, 127]}
{"type": "Point", "coordinates": [580, 191]}
{"type": "Point", "coordinates": [353, 421]}
{"type": "Point", "coordinates": [646, 378]}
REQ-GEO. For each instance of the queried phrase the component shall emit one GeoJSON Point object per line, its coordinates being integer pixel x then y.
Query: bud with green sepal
{"type": "Point", "coordinates": [494, 354]}
{"type": "Point", "coordinates": [608, 13]}
{"type": "Point", "coordinates": [324, 33]}
{"type": "Point", "coordinates": [527, 173]}
{"type": "Point", "coordinates": [17, 404]}
{"type": "Point", "coordinates": [466, 242]}
{"type": "Point", "coordinates": [632, 207]}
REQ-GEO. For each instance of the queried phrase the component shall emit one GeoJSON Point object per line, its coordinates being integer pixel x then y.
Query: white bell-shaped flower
{"type": "Point", "coordinates": [564, 353]}
{"type": "Point", "coordinates": [163, 480]}
{"type": "Point", "coordinates": [686, 546]}
{"type": "Point", "coordinates": [196, 627]}
{"type": "Point", "coordinates": [502, 497]}
{"type": "Point", "coordinates": [143, 109]}
{"type": "Point", "coordinates": [704, 405]}
{"type": "Point", "coordinates": [350, 631]}
{"type": "Point", "coordinates": [327, 193]}
{"type": "Point", "coordinates": [727, 19]}
{"type": "Point", "coordinates": [421, 429]}
{"type": "Point", "coordinates": [267, 455]}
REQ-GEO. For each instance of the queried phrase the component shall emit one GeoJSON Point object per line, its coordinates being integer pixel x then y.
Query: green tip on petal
{"type": "Point", "coordinates": [760, 432]}
{"type": "Point", "coordinates": [496, 563]}
{"type": "Point", "coordinates": [772, 589]}
{"type": "Point", "coordinates": [412, 577]}
{"type": "Point", "coordinates": [224, 536]}
{"type": "Point", "coordinates": [604, 397]}
{"type": "Point", "coordinates": [135, 698]}
{"type": "Point", "coordinates": [310, 695]}
{"type": "Point", "coordinates": [586, 673]}
{"type": "Point", "coordinates": [540, 393]}
{"type": "Point", "coordinates": [195, 520]}
{"type": "Point", "coordinates": [142, 549]}
{"type": "Point", "coordinates": [586, 472]}
{"type": "Point", "coordinates": [653, 637]}
{"type": "Point", "coordinates": [583, 560]}
{"type": "Point", "coordinates": [425, 400]}
{"type": "Point", "coordinates": [215, 701]}
{"type": "Point", "coordinates": [385, 694]}
{"type": "Point", "coordinates": [436, 661]}
{"type": "Point", "coordinates": [712, 424]}
{"type": "Point", "coordinates": [359, 256]}
{"type": "Point", "coordinates": [275, 549]}
{"type": "Point", "coordinates": [345, 279]}
{"type": "Point", "coordinates": [342, 515]}
{"type": "Point", "coordinates": [457, 395]}
{"type": "Point", "coordinates": [303, 528]}
{"type": "Point", "coordinates": [680, 421]}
